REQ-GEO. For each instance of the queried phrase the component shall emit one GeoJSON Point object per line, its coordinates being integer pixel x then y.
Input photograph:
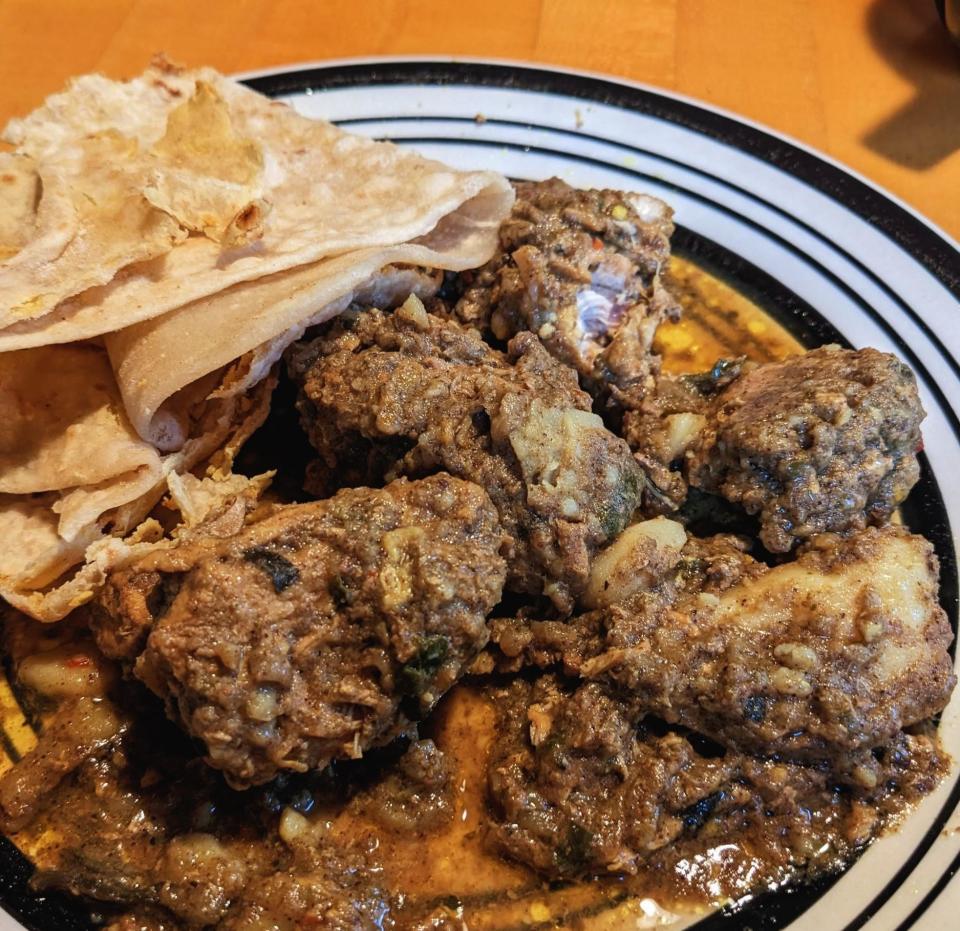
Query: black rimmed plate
{"type": "Point", "coordinates": [823, 251]}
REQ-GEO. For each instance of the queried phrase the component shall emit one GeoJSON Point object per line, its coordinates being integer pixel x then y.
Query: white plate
{"type": "Point", "coordinates": [825, 251]}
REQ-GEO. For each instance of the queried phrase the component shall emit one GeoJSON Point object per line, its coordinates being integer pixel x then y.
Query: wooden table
{"type": "Point", "coordinates": [874, 83]}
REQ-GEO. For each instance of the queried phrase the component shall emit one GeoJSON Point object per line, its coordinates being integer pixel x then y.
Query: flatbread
{"type": "Point", "coordinates": [37, 574]}
{"type": "Point", "coordinates": [19, 195]}
{"type": "Point", "coordinates": [112, 198]}
{"type": "Point", "coordinates": [329, 193]}
{"type": "Point", "coordinates": [68, 455]}
{"type": "Point", "coordinates": [206, 175]}
{"type": "Point", "coordinates": [91, 220]}
{"type": "Point", "coordinates": [162, 242]}
{"type": "Point", "coordinates": [62, 422]}
{"type": "Point", "coordinates": [93, 104]}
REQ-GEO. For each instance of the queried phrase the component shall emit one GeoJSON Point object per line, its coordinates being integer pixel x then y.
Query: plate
{"type": "Point", "coordinates": [823, 251]}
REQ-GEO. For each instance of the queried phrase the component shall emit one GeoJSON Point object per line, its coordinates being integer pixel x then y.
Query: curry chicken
{"type": "Point", "coordinates": [486, 648]}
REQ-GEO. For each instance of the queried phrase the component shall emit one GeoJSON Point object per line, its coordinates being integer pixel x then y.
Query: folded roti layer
{"type": "Point", "coordinates": [329, 193]}
{"type": "Point", "coordinates": [92, 215]}
{"type": "Point", "coordinates": [36, 574]}
{"type": "Point", "coordinates": [63, 423]}
{"type": "Point", "coordinates": [264, 317]}
{"type": "Point", "coordinates": [164, 241]}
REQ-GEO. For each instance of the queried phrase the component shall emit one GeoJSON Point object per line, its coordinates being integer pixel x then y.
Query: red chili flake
{"type": "Point", "coordinates": [78, 661]}
{"type": "Point", "coordinates": [597, 243]}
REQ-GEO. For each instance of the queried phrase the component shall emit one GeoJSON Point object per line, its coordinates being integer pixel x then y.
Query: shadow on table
{"type": "Point", "coordinates": [912, 39]}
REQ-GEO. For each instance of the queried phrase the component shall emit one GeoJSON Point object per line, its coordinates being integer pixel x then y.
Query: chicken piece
{"type": "Point", "coordinates": [662, 424]}
{"type": "Point", "coordinates": [294, 642]}
{"type": "Point", "coordinates": [820, 658]}
{"type": "Point", "coordinates": [410, 393]}
{"type": "Point", "coordinates": [642, 573]}
{"type": "Point", "coordinates": [582, 270]}
{"type": "Point", "coordinates": [577, 788]}
{"type": "Point", "coordinates": [581, 783]}
{"type": "Point", "coordinates": [824, 442]}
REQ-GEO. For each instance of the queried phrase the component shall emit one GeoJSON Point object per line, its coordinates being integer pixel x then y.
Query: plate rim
{"type": "Point", "coordinates": [259, 76]}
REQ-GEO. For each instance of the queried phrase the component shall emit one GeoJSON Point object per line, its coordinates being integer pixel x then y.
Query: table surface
{"type": "Point", "coordinates": [874, 83]}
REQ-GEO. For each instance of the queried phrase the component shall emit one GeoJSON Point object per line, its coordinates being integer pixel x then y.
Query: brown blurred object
{"type": "Point", "coordinates": [926, 129]}
{"type": "Point", "coordinates": [873, 83]}
{"type": "Point", "coordinates": [949, 11]}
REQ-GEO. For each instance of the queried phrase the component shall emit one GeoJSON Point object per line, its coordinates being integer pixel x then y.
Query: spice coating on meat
{"type": "Point", "coordinates": [662, 424]}
{"type": "Point", "coordinates": [582, 783]}
{"type": "Point", "coordinates": [824, 442]}
{"type": "Point", "coordinates": [661, 715]}
{"type": "Point", "coordinates": [581, 270]}
{"type": "Point", "coordinates": [578, 789]}
{"type": "Point", "coordinates": [820, 658]}
{"type": "Point", "coordinates": [411, 393]}
{"type": "Point", "coordinates": [294, 642]}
